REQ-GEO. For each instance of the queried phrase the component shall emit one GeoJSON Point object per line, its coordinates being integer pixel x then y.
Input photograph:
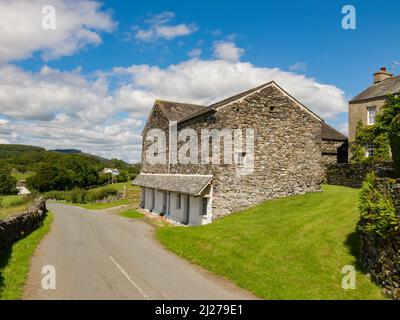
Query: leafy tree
{"type": "Point", "coordinates": [7, 181]}
{"type": "Point", "coordinates": [122, 177]}
{"type": "Point", "coordinates": [395, 144]}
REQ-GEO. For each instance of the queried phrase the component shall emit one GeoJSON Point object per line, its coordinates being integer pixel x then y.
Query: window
{"type": "Point", "coordinates": [178, 201]}
{"type": "Point", "coordinates": [371, 115]}
{"type": "Point", "coordinates": [369, 150]}
{"type": "Point", "coordinates": [204, 206]}
{"type": "Point", "coordinates": [241, 157]}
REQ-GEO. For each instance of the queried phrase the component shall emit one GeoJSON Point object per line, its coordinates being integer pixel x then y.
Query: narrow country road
{"type": "Point", "coordinates": [102, 256]}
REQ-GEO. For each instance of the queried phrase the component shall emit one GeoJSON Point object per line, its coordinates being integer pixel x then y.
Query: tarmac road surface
{"type": "Point", "coordinates": [98, 255]}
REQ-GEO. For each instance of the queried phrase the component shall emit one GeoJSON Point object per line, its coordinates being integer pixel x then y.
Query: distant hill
{"type": "Point", "coordinates": [27, 158]}
{"type": "Point", "coordinates": [67, 151]}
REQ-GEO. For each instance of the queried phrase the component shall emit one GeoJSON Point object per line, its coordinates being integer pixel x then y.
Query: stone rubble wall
{"type": "Point", "coordinates": [381, 256]}
{"type": "Point", "coordinates": [20, 225]}
{"type": "Point", "coordinates": [287, 158]}
{"type": "Point", "coordinates": [353, 174]}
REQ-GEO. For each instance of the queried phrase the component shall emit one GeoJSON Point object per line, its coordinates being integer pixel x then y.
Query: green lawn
{"type": "Point", "coordinates": [10, 205]}
{"type": "Point", "coordinates": [14, 265]}
{"type": "Point", "coordinates": [102, 206]}
{"type": "Point", "coordinates": [132, 214]}
{"type": "Point", "coordinates": [21, 175]}
{"type": "Point", "coordinates": [291, 248]}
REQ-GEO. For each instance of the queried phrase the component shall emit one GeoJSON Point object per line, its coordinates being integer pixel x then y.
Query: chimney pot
{"type": "Point", "coordinates": [381, 75]}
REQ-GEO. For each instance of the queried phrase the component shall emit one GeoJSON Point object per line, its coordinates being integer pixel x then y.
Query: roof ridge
{"type": "Point", "coordinates": [378, 90]}
{"type": "Point", "coordinates": [176, 102]}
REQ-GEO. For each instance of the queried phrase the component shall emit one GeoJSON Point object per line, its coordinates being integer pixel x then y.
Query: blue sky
{"type": "Point", "coordinates": [154, 41]}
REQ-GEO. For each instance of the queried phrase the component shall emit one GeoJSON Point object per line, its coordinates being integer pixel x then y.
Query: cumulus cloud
{"type": "Point", "coordinates": [159, 28]}
{"type": "Point", "coordinates": [226, 50]}
{"type": "Point", "coordinates": [104, 113]}
{"type": "Point", "coordinates": [206, 81]}
{"type": "Point", "coordinates": [49, 92]}
{"type": "Point", "coordinates": [78, 23]}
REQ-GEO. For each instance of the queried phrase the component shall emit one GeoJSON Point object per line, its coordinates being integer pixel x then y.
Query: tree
{"type": "Point", "coordinates": [8, 184]}
{"type": "Point", "coordinates": [388, 122]}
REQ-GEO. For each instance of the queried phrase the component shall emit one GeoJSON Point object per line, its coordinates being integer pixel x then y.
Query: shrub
{"type": "Point", "coordinates": [7, 181]}
{"type": "Point", "coordinates": [77, 195]}
{"type": "Point", "coordinates": [100, 194]}
{"type": "Point", "coordinates": [81, 195]}
{"type": "Point", "coordinates": [378, 212]}
{"type": "Point", "coordinates": [395, 144]}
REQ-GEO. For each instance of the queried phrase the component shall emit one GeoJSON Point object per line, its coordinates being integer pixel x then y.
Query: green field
{"type": "Point", "coordinates": [15, 264]}
{"type": "Point", "coordinates": [21, 175]}
{"type": "Point", "coordinates": [132, 214]}
{"type": "Point", "coordinates": [10, 205]}
{"type": "Point", "coordinates": [132, 193]}
{"type": "Point", "coordinates": [291, 248]}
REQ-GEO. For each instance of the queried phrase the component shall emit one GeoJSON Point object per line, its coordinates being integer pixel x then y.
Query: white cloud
{"type": "Point", "coordinates": [160, 29]}
{"type": "Point", "coordinates": [195, 53]}
{"type": "Point", "coordinates": [43, 95]}
{"type": "Point", "coordinates": [226, 50]}
{"type": "Point", "coordinates": [104, 112]}
{"type": "Point", "coordinates": [78, 23]}
{"type": "Point", "coordinates": [205, 81]}
{"type": "Point", "coordinates": [298, 66]}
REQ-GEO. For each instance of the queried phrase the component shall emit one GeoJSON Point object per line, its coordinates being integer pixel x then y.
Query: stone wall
{"type": "Point", "coordinates": [353, 174]}
{"type": "Point", "coordinates": [381, 256]}
{"type": "Point", "coordinates": [20, 225]}
{"type": "Point", "coordinates": [287, 158]}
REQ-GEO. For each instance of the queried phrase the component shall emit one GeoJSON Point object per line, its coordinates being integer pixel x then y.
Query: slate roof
{"type": "Point", "coordinates": [379, 90]}
{"type": "Point", "coordinates": [175, 111]}
{"type": "Point", "coordinates": [187, 184]}
{"type": "Point", "coordinates": [213, 107]}
{"type": "Point", "coordinates": [329, 133]}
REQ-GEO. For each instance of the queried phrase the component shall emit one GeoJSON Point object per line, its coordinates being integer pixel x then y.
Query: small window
{"type": "Point", "coordinates": [371, 115]}
{"type": "Point", "coordinates": [369, 150]}
{"type": "Point", "coordinates": [178, 201]}
{"type": "Point", "coordinates": [204, 206]}
{"type": "Point", "coordinates": [241, 157]}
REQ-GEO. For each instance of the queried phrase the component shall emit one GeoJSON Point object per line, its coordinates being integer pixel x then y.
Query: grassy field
{"type": "Point", "coordinates": [14, 265]}
{"type": "Point", "coordinates": [291, 248]}
{"type": "Point", "coordinates": [132, 214]}
{"type": "Point", "coordinates": [21, 175]}
{"type": "Point", "coordinates": [10, 205]}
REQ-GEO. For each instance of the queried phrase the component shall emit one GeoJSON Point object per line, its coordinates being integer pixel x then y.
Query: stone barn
{"type": "Point", "coordinates": [279, 153]}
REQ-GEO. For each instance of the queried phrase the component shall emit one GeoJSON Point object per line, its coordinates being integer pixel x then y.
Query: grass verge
{"type": "Point", "coordinates": [15, 264]}
{"type": "Point", "coordinates": [102, 206]}
{"type": "Point", "coordinates": [132, 214]}
{"type": "Point", "coordinates": [10, 205]}
{"type": "Point", "coordinates": [291, 248]}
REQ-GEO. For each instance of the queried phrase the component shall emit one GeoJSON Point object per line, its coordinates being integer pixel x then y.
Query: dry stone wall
{"type": "Point", "coordinates": [353, 174]}
{"type": "Point", "coordinates": [380, 256]}
{"type": "Point", "coordinates": [20, 225]}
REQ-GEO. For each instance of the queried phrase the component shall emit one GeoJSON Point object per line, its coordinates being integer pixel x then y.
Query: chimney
{"type": "Point", "coordinates": [382, 75]}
